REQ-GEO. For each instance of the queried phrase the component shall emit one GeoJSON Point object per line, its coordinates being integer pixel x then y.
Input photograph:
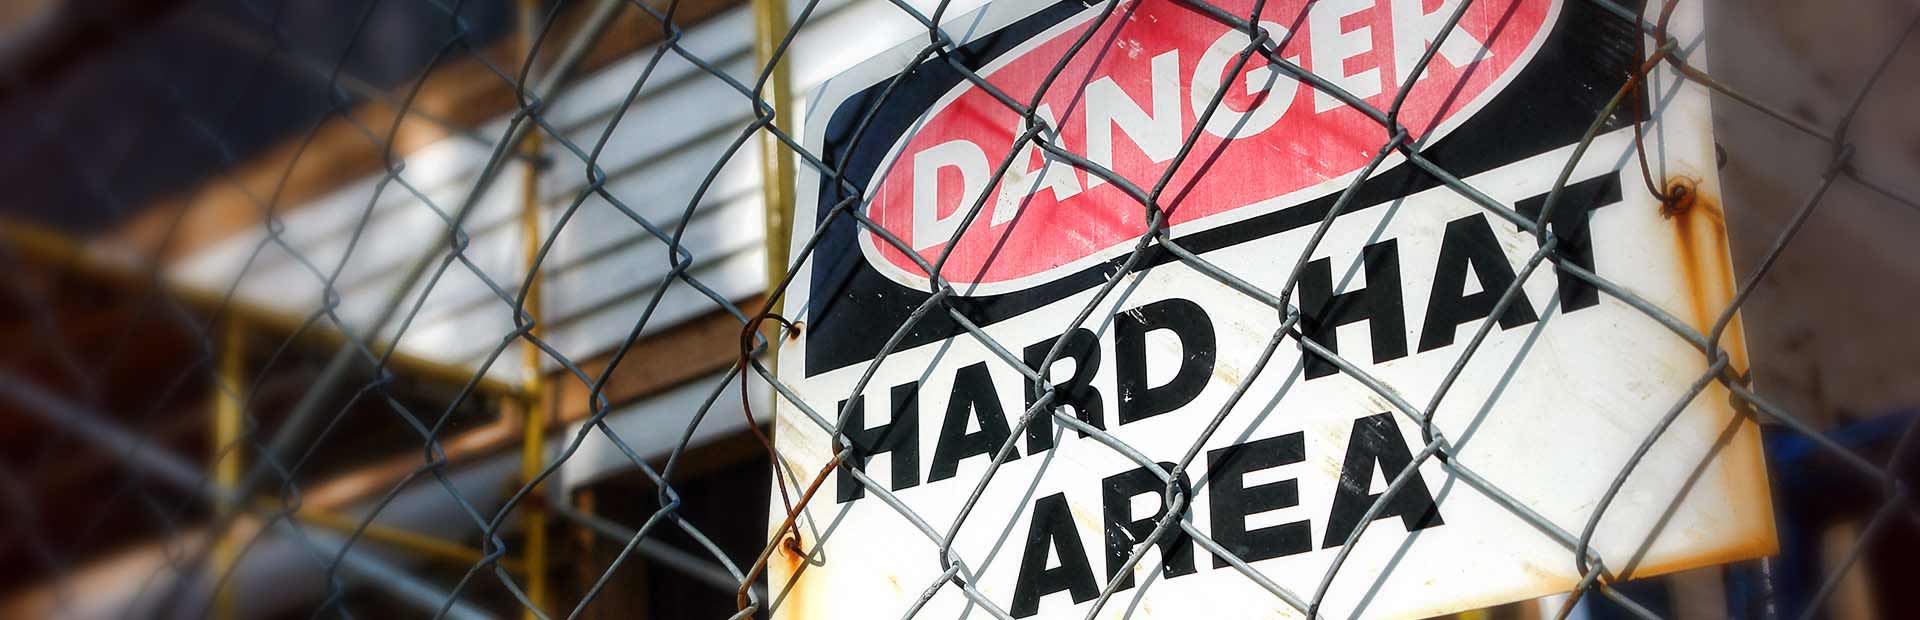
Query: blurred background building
{"type": "Point", "coordinates": [207, 201]}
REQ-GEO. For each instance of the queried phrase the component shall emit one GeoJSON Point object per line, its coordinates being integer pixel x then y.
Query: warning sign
{"type": "Point", "coordinates": [959, 486]}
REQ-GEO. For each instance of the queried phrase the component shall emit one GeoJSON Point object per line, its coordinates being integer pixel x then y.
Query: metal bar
{"type": "Point", "coordinates": [533, 513]}
{"type": "Point", "coordinates": [533, 445]}
{"type": "Point", "coordinates": [110, 437]}
{"type": "Point", "coordinates": [776, 160]}
{"type": "Point", "coordinates": [228, 454]}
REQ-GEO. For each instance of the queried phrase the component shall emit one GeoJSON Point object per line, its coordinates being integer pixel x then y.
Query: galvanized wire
{"type": "Point", "coordinates": [179, 498]}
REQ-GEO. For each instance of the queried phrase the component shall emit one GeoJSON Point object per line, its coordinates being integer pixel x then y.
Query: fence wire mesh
{"type": "Point", "coordinates": [296, 407]}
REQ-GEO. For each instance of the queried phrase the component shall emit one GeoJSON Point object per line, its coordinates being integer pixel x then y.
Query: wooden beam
{"type": "Point", "coordinates": [688, 351]}
{"type": "Point", "coordinates": [101, 264]}
{"type": "Point", "coordinates": [458, 448]}
{"type": "Point", "coordinates": [657, 363]}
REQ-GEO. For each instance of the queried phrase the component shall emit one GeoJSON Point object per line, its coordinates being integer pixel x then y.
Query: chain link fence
{"type": "Point", "coordinates": [291, 393]}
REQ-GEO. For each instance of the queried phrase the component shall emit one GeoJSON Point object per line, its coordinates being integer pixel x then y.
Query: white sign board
{"type": "Point", "coordinates": [1286, 457]}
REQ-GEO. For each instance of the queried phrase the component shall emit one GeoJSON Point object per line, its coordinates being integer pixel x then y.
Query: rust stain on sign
{"type": "Point", "coordinates": [1700, 237]}
{"type": "Point", "coordinates": [1706, 266]}
{"type": "Point", "coordinates": [788, 566]}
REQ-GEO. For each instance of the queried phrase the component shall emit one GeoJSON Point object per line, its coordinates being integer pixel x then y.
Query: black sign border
{"type": "Point", "coordinates": [1550, 104]}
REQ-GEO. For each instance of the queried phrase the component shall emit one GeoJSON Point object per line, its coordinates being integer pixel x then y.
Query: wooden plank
{"type": "Point", "coordinates": [688, 351]}
{"type": "Point", "coordinates": [669, 359]}
{"type": "Point", "coordinates": [115, 269]}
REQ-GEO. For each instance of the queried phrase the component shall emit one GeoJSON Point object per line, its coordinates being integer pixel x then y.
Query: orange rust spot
{"type": "Point", "coordinates": [794, 332]}
{"type": "Point", "coordinates": [789, 565]}
{"type": "Point", "coordinates": [1700, 237]}
{"type": "Point", "coordinates": [791, 555]}
{"type": "Point", "coordinates": [790, 546]}
{"type": "Point", "coordinates": [1679, 199]}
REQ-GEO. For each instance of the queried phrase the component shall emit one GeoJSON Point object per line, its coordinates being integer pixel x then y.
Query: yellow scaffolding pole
{"type": "Point", "coordinates": [533, 436]}
{"type": "Point", "coordinates": [776, 160]}
{"type": "Point", "coordinates": [228, 455]}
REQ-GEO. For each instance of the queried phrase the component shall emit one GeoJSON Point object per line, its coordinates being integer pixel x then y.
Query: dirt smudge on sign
{"type": "Point", "coordinates": [1227, 374]}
